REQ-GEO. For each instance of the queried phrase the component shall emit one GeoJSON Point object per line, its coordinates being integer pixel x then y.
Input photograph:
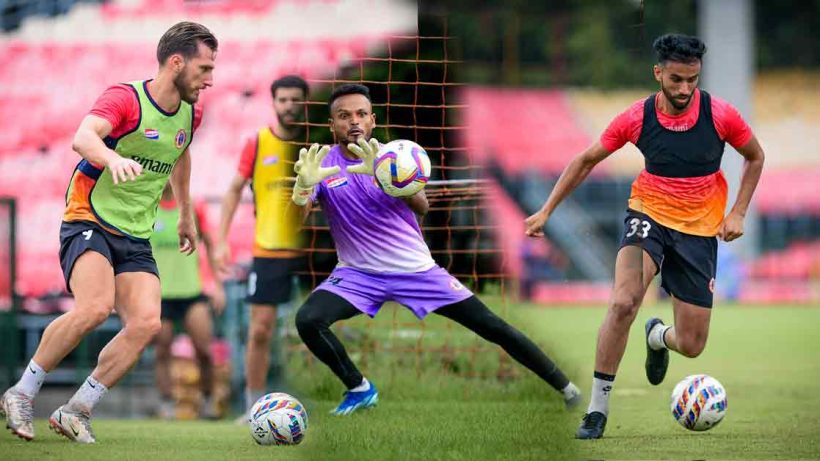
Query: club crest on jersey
{"type": "Point", "coordinates": [179, 139]}
{"type": "Point", "coordinates": [333, 183]}
{"type": "Point", "coordinates": [151, 133]}
{"type": "Point", "coordinates": [270, 160]}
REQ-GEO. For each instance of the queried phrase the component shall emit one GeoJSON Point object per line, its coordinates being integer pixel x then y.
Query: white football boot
{"type": "Point", "coordinates": [18, 409]}
{"type": "Point", "coordinates": [73, 425]}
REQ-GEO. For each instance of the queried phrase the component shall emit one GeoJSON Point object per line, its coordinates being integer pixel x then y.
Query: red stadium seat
{"type": "Point", "coordinates": [47, 88]}
{"type": "Point", "coordinates": [508, 226]}
{"type": "Point", "coordinates": [571, 293]}
{"type": "Point", "coordinates": [790, 191]}
{"type": "Point", "coordinates": [39, 117]}
{"type": "Point", "coordinates": [797, 262]}
{"type": "Point", "coordinates": [161, 8]}
{"type": "Point", "coordinates": [544, 137]}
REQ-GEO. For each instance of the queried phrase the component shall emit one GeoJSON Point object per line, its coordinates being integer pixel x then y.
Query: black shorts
{"type": "Point", "coordinates": [687, 263]}
{"type": "Point", "coordinates": [176, 309]}
{"type": "Point", "coordinates": [124, 254]}
{"type": "Point", "coordinates": [271, 280]}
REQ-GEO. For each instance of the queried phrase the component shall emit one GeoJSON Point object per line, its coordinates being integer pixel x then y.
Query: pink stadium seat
{"type": "Point", "coordinates": [571, 293]}
{"type": "Point", "coordinates": [39, 116]}
{"type": "Point", "coordinates": [799, 261]}
{"type": "Point", "coordinates": [508, 226]}
{"type": "Point", "coordinates": [791, 191]}
{"type": "Point", "coordinates": [155, 8]}
{"type": "Point", "coordinates": [544, 137]}
{"type": "Point", "coordinates": [777, 291]}
{"type": "Point", "coordinates": [47, 88]}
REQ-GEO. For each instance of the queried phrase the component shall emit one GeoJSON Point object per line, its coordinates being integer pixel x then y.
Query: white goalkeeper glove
{"type": "Point", "coordinates": [367, 151]}
{"type": "Point", "coordinates": [309, 172]}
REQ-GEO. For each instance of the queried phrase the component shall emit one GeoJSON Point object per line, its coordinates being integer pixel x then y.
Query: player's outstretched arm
{"type": "Point", "coordinates": [180, 183]}
{"type": "Point", "coordinates": [573, 175]}
{"type": "Point", "coordinates": [309, 172]}
{"type": "Point", "coordinates": [732, 226]}
{"type": "Point", "coordinates": [88, 142]}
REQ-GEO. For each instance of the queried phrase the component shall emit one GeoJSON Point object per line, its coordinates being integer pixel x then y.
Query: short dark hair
{"type": "Point", "coordinates": [679, 48]}
{"type": "Point", "coordinates": [346, 89]}
{"type": "Point", "coordinates": [184, 38]}
{"type": "Point", "coordinates": [289, 81]}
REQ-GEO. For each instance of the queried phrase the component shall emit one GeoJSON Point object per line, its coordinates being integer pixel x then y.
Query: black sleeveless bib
{"type": "Point", "coordinates": [681, 154]}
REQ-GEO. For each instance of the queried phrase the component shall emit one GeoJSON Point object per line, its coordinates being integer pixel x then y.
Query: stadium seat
{"type": "Point", "coordinates": [152, 8]}
{"type": "Point", "coordinates": [544, 137]}
{"type": "Point", "coordinates": [571, 293]}
{"type": "Point", "coordinates": [790, 191]}
{"type": "Point", "coordinates": [39, 117]}
{"type": "Point", "coordinates": [797, 262]}
{"type": "Point", "coordinates": [508, 226]}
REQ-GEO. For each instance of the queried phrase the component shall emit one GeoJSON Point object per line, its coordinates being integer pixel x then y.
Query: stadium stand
{"type": "Point", "coordinates": [554, 125]}
{"type": "Point", "coordinates": [544, 136]}
{"type": "Point", "coordinates": [39, 115]}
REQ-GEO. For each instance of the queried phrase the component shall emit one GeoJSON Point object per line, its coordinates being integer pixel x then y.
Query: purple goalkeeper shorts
{"type": "Point", "coordinates": [421, 292]}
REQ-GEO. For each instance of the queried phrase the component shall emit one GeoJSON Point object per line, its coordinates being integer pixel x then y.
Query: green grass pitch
{"type": "Point", "coordinates": [764, 356]}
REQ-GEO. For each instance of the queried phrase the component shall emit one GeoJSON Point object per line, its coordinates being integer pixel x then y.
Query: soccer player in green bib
{"type": "Point", "coordinates": [134, 141]}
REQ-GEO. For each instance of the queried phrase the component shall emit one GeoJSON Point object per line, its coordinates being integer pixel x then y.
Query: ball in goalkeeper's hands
{"type": "Point", "coordinates": [402, 168]}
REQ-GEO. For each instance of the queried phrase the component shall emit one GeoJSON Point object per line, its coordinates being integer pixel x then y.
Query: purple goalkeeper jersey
{"type": "Point", "coordinates": [372, 230]}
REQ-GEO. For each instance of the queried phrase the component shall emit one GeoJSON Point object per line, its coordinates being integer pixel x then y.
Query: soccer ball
{"type": "Point", "coordinates": [699, 402]}
{"type": "Point", "coordinates": [402, 168]}
{"type": "Point", "coordinates": [278, 419]}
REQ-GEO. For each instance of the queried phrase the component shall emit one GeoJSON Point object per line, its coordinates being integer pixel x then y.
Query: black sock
{"type": "Point", "coordinates": [474, 315]}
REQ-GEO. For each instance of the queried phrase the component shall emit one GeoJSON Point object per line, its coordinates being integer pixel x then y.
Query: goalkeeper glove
{"type": "Point", "coordinates": [367, 151]}
{"type": "Point", "coordinates": [309, 172]}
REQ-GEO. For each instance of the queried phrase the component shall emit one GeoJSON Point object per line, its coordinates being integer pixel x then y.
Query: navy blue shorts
{"type": "Point", "coordinates": [687, 263]}
{"type": "Point", "coordinates": [175, 309]}
{"type": "Point", "coordinates": [270, 281]}
{"type": "Point", "coordinates": [124, 254]}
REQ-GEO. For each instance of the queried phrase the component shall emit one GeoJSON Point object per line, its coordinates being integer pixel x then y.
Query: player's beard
{"type": "Point", "coordinates": [676, 103]}
{"type": "Point", "coordinates": [186, 93]}
{"type": "Point", "coordinates": [298, 118]}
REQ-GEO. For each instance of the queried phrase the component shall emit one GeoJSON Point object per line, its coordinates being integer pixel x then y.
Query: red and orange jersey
{"type": "Point", "coordinates": [689, 204]}
{"type": "Point", "coordinates": [626, 126]}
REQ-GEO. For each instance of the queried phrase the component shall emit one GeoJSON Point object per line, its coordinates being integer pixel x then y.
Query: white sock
{"type": "Point", "coordinates": [601, 388]}
{"type": "Point", "coordinates": [570, 391]}
{"type": "Point", "coordinates": [88, 395]}
{"type": "Point", "coordinates": [31, 380]}
{"type": "Point", "coordinates": [365, 385]}
{"type": "Point", "coordinates": [251, 396]}
{"type": "Point", "coordinates": [657, 335]}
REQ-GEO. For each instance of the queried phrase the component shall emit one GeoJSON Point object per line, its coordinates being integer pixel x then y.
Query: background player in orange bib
{"type": "Point", "coordinates": [676, 211]}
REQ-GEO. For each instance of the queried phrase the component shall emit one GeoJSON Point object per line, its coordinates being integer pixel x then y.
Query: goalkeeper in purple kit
{"type": "Point", "coordinates": [383, 257]}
